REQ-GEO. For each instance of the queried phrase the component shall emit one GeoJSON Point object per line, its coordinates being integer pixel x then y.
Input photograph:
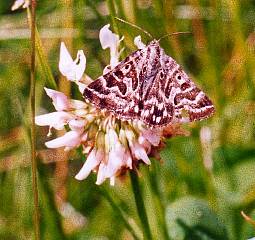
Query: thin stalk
{"type": "Point", "coordinates": [32, 99]}
{"type": "Point", "coordinates": [119, 212]}
{"type": "Point", "coordinates": [41, 55]}
{"type": "Point", "coordinates": [140, 205]}
{"type": "Point", "coordinates": [113, 14]}
{"type": "Point", "coordinates": [158, 199]}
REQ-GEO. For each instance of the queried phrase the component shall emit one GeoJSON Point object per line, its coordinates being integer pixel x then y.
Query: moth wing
{"type": "Point", "coordinates": [174, 97]}
{"type": "Point", "coordinates": [117, 90]}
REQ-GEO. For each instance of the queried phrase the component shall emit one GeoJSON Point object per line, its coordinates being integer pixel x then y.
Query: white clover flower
{"type": "Point", "coordinates": [71, 69]}
{"type": "Point", "coordinates": [112, 146]}
{"type": "Point", "coordinates": [20, 3]}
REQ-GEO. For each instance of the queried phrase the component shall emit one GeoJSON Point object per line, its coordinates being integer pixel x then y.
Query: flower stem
{"type": "Point", "coordinates": [50, 81]}
{"type": "Point", "coordinates": [140, 205]}
{"type": "Point", "coordinates": [158, 199]}
{"type": "Point", "coordinates": [119, 212]}
{"type": "Point", "coordinates": [113, 14]}
{"type": "Point", "coordinates": [32, 99]}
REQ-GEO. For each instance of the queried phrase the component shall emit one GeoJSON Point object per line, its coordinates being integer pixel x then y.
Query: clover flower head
{"type": "Point", "coordinates": [111, 145]}
{"type": "Point", "coordinates": [20, 3]}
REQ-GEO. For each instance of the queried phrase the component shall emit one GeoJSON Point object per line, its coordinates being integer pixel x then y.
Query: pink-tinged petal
{"type": "Point", "coordinates": [60, 100]}
{"type": "Point", "coordinates": [116, 160]}
{"type": "Point", "coordinates": [77, 104]}
{"type": "Point", "coordinates": [93, 160]}
{"type": "Point", "coordinates": [70, 140]}
{"type": "Point", "coordinates": [72, 70]}
{"type": "Point", "coordinates": [140, 153]}
{"type": "Point", "coordinates": [128, 159]}
{"type": "Point", "coordinates": [153, 136]}
{"type": "Point", "coordinates": [145, 144]}
{"type": "Point", "coordinates": [101, 174]}
{"type": "Point", "coordinates": [138, 42]}
{"type": "Point", "coordinates": [56, 120]}
{"type": "Point", "coordinates": [77, 125]}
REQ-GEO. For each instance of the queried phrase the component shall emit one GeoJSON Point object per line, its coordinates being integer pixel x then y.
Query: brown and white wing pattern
{"type": "Point", "coordinates": [150, 86]}
{"type": "Point", "coordinates": [118, 90]}
{"type": "Point", "coordinates": [170, 96]}
{"type": "Point", "coordinates": [189, 102]}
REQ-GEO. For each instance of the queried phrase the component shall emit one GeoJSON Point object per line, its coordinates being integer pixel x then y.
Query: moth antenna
{"type": "Point", "coordinates": [135, 26]}
{"type": "Point", "coordinates": [172, 34]}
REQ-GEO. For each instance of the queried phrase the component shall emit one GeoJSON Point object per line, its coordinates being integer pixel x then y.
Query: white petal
{"type": "Point", "coordinates": [81, 86]}
{"type": "Point", "coordinates": [70, 140]}
{"type": "Point", "coordinates": [26, 4]}
{"type": "Point", "coordinates": [114, 60]}
{"type": "Point", "coordinates": [112, 181]}
{"type": "Point", "coordinates": [54, 119]}
{"type": "Point", "coordinates": [140, 153]}
{"type": "Point", "coordinates": [65, 57]}
{"type": "Point", "coordinates": [93, 159]}
{"type": "Point", "coordinates": [107, 38]}
{"type": "Point", "coordinates": [77, 104]}
{"type": "Point", "coordinates": [80, 65]}
{"type": "Point", "coordinates": [73, 70]}
{"type": "Point", "coordinates": [18, 3]}
{"type": "Point", "coordinates": [138, 42]}
{"type": "Point", "coordinates": [129, 160]}
{"type": "Point", "coordinates": [60, 100]}
{"type": "Point", "coordinates": [144, 143]}
{"type": "Point", "coordinates": [101, 174]}
{"type": "Point", "coordinates": [110, 40]}
{"type": "Point", "coordinates": [115, 161]}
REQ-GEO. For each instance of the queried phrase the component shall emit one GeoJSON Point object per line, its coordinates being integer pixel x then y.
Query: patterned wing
{"type": "Point", "coordinates": [173, 97]}
{"type": "Point", "coordinates": [150, 86]}
{"type": "Point", "coordinates": [157, 111]}
{"type": "Point", "coordinates": [118, 90]}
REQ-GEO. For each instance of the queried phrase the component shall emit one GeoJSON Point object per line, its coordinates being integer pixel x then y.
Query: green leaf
{"type": "Point", "coordinates": [191, 218]}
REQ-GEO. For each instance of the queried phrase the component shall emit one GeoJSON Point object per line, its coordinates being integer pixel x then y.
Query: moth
{"type": "Point", "coordinates": [151, 87]}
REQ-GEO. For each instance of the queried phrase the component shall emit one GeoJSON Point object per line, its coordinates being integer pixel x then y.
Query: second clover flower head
{"type": "Point", "coordinates": [111, 146]}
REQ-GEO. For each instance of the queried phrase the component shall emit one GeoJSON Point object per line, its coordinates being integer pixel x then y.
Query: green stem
{"type": "Point", "coordinates": [51, 83]}
{"type": "Point", "coordinates": [118, 211]}
{"type": "Point", "coordinates": [140, 205]}
{"type": "Point", "coordinates": [113, 14]}
{"type": "Point", "coordinates": [158, 199]}
{"type": "Point", "coordinates": [32, 99]}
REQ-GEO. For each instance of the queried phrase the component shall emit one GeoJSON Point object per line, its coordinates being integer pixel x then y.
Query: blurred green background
{"type": "Point", "coordinates": [204, 181]}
